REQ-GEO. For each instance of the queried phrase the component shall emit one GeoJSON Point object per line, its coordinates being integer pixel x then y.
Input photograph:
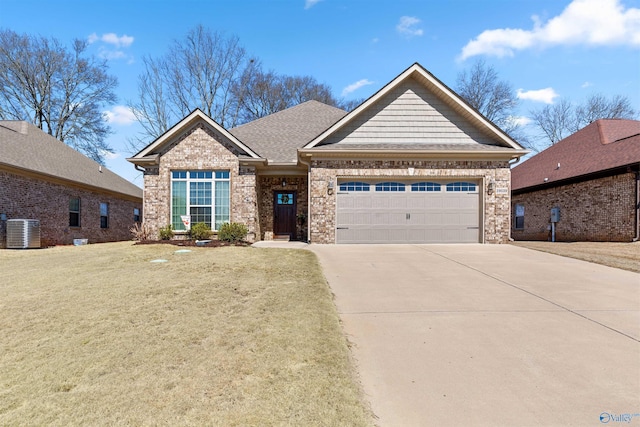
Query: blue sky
{"type": "Point", "coordinates": [547, 49]}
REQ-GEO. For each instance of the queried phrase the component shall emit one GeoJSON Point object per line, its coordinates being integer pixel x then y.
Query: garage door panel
{"type": "Point", "coordinates": [407, 217]}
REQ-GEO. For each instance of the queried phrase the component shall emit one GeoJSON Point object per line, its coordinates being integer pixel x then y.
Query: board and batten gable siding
{"type": "Point", "coordinates": [410, 113]}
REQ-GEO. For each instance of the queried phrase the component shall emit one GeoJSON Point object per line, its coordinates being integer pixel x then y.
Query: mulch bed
{"type": "Point", "coordinates": [211, 244]}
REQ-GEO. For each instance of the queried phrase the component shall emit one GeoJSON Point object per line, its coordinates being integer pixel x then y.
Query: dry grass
{"type": "Point", "coordinates": [619, 255]}
{"type": "Point", "coordinates": [99, 335]}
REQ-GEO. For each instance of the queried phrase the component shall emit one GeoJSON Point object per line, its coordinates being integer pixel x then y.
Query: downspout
{"type": "Point", "coordinates": [637, 205]}
{"type": "Point", "coordinates": [308, 163]}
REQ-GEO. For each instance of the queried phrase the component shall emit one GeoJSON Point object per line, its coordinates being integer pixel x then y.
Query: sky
{"type": "Point", "coordinates": [546, 49]}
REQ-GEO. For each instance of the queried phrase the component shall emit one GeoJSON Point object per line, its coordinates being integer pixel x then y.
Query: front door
{"type": "Point", "coordinates": [284, 215]}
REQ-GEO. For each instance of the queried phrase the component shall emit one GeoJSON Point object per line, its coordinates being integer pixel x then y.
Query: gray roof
{"type": "Point", "coordinates": [278, 136]}
{"type": "Point", "coordinates": [25, 146]}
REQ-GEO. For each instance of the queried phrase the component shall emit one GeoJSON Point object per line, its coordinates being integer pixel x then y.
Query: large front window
{"type": "Point", "coordinates": [200, 196]}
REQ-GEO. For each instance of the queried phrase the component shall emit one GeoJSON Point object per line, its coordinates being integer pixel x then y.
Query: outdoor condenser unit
{"type": "Point", "coordinates": [23, 233]}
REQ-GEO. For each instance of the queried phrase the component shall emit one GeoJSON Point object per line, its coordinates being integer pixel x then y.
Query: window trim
{"type": "Point", "coordinates": [516, 217]}
{"type": "Point", "coordinates": [354, 186]}
{"type": "Point", "coordinates": [106, 217]}
{"type": "Point", "coordinates": [200, 175]}
{"type": "Point", "coordinates": [391, 186]}
{"type": "Point", "coordinates": [428, 186]}
{"type": "Point", "coordinates": [461, 186]}
{"type": "Point", "coordinates": [78, 212]}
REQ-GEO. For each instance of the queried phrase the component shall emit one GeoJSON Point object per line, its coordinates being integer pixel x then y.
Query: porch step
{"type": "Point", "coordinates": [281, 237]}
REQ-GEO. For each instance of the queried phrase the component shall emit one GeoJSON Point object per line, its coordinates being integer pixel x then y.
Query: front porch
{"type": "Point", "coordinates": [283, 207]}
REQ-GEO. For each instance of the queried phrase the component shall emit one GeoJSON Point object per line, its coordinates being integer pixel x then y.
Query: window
{"type": "Point", "coordinates": [390, 186]}
{"type": "Point", "coordinates": [136, 215]}
{"type": "Point", "coordinates": [285, 198]}
{"type": "Point", "coordinates": [74, 212]}
{"type": "Point", "coordinates": [354, 186]}
{"type": "Point", "coordinates": [425, 186]}
{"type": "Point", "coordinates": [203, 196]}
{"type": "Point", "coordinates": [461, 186]}
{"type": "Point", "coordinates": [104, 215]}
{"type": "Point", "coordinates": [519, 217]}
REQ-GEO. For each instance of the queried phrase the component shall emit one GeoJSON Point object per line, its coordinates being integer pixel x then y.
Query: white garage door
{"type": "Point", "coordinates": [408, 212]}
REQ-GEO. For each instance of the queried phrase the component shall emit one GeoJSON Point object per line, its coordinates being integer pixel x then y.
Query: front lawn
{"type": "Point", "coordinates": [100, 335]}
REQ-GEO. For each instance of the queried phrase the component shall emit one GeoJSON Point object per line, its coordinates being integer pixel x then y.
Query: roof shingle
{"type": "Point", "coordinates": [278, 136]}
{"type": "Point", "coordinates": [25, 146]}
{"type": "Point", "coordinates": [602, 145]}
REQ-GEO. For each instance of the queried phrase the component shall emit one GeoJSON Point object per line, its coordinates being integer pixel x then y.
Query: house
{"type": "Point", "coordinates": [72, 196]}
{"type": "Point", "coordinates": [412, 164]}
{"type": "Point", "coordinates": [590, 177]}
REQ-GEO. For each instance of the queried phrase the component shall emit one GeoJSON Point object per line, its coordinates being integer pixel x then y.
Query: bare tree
{"type": "Point", "coordinates": [482, 88]}
{"type": "Point", "coordinates": [261, 93]}
{"type": "Point", "coordinates": [560, 120]}
{"type": "Point", "coordinates": [62, 92]}
{"type": "Point", "coordinates": [196, 72]}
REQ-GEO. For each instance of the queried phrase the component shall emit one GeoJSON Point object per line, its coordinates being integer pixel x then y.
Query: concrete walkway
{"type": "Point", "coordinates": [488, 335]}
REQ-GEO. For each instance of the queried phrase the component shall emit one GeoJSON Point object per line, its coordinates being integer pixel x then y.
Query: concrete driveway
{"type": "Point", "coordinates": [495, 335]}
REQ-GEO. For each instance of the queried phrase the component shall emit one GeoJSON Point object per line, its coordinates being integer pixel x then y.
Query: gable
{"type": "Point", "coordinates": [194, 121]}
{"type": "Point", "coordinates": [410, 114]}
{"type": "Point", "coordinates": [417, 112]}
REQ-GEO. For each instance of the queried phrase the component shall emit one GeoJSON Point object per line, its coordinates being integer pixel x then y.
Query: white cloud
{"type": "Point", "coordinates": [407, 26]}
{"type": "Point", "coordinates": [355, 86]}
{"type": "Point", "coordinates": [582, 22]}
{"type": "Point", "coordinates": [586, 85]}
{"type": "Point", "coordinates": [520, 120]}
{"type": "Point", "coordinates": [112, 38]}
{"type": "Point", "coordinates": [546, 95]}
{"type": "Point", "coordinates": [308, 4]}
{"type": "Point", "coordinates": [108, 155]}
{"type": "Point", "coordinates": [121, 115]}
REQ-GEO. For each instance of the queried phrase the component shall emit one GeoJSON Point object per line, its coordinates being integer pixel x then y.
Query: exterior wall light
{"type": "Point", "coordinates": [330, 188]}
{"type": "Point", "coordinates": [491, 186]}
{"type": "Point", "coordinates": [284, 182]}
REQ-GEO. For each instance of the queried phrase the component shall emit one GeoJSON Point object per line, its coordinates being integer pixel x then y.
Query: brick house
{"type": "Point", "coordinates": [412, 164]}
{"type": "Point", "coordinates": [592, 176]}
{"type": "Point", "coordinates": [72, 196]}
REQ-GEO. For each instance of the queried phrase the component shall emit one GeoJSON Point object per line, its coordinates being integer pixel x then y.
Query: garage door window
{"type": "Point", "coordinates": [425, 186]}
{"type": "Point", "coordinates": [354, 186]}
{"type": "Point", "coordinates": [461, 186]}
{"type": "Point", "coordinates": [390, 186]}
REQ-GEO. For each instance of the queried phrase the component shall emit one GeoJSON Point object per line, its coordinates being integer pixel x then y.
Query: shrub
{"type": "Point", "coordinates": [232, 232]}
{"type": "Point", "coordinates": [140, 232]}
{"type": "Point", "coordinates": [166, 233]}
{"type": "Point", "coordinates": [200, 231]}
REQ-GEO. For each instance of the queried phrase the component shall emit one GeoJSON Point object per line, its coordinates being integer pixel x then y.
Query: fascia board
{"type": "Point", "coordinates": [195, 115]}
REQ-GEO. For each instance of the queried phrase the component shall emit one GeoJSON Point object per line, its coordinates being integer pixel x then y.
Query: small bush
{"type": "Point", "coordinates": [166, 233]}
{"type": "Point", "coordinates": [140, 232]}
{"type": "Point", "coordinates": [232, 232]}
{"type": "Point", "coordinates": [200, 231]}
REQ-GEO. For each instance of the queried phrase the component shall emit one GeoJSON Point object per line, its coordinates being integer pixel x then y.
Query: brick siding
{"type": "Point", "coordinates": [595, 210]}
{"type": "Point", "coordinates": [200, 148]}
{"type": "Point", "coordinates": [267, 186]}
{"type": "Point", "coordinates": [31, 198]}
{"type": "Point", "coordinates": [496, 206]}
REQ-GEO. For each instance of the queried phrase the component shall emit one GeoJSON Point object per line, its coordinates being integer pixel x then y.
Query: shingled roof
{"type": "Point", "coordinates": [603, 145]}
{"type": "Point", "coordinates": [24, 146]}
{"type": "Point", "coordinates": [278, 136]}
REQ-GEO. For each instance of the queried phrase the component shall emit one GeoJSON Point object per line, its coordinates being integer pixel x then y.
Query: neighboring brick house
{"type": "Point", "coordinates": [592, 176]}
{"type": "Point", "coordinates": [412, 164]}
{"type": "Point", "coordinates": [72, 196]}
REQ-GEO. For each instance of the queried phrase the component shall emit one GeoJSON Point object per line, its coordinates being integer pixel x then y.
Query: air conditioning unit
{"type": "Point", "coordinates": [23, 233]}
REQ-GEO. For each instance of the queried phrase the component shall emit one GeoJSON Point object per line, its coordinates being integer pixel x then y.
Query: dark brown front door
{"type": "Point", "coordinates": [284, 215]}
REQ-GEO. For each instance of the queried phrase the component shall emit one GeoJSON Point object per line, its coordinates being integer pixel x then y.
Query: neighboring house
{"type": "Point", "coordinates": [592, 176]}
{"type": "Point", "coordinates": [72, 196]}
{"type": "Point", "coordinates": [412, 164]}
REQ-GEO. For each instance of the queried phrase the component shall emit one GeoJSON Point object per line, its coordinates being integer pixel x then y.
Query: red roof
{"type": "Point", "coordinates": [602, 145]}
